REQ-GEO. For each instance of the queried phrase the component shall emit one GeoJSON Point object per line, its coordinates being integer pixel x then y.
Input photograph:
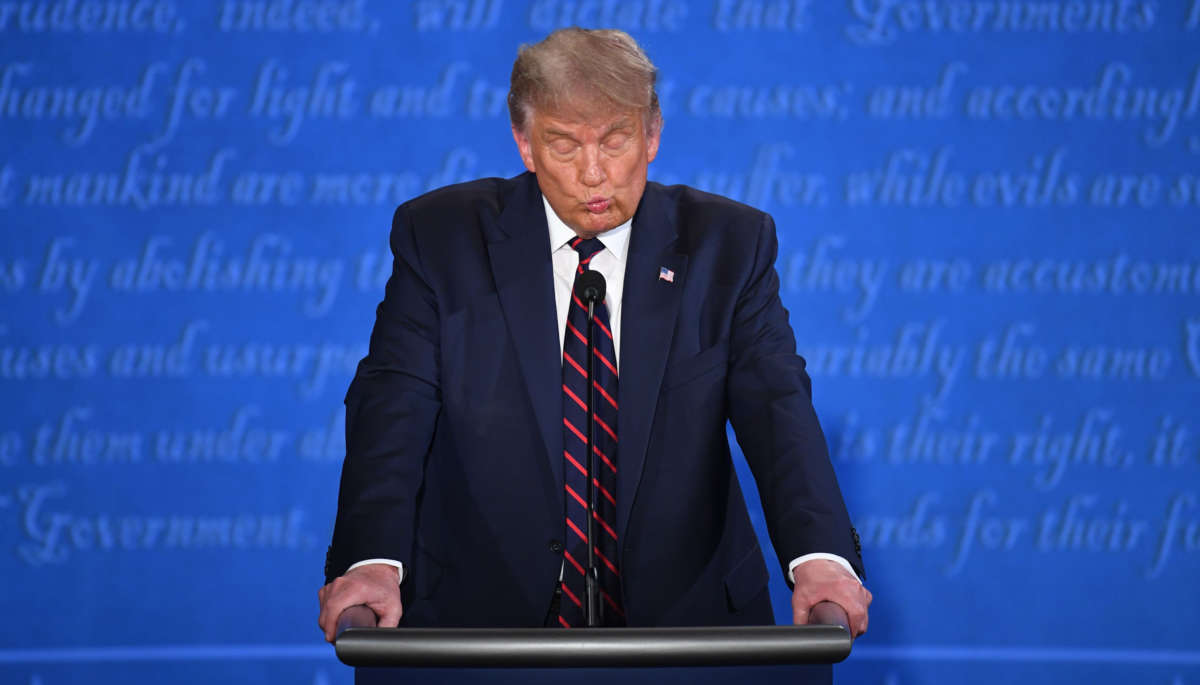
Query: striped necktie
{"type": "Point", "coordinates": [604, 443]}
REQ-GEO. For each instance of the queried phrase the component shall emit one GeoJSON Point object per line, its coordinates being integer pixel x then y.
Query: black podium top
{"type": "Point", "coordinates": [586, 647]}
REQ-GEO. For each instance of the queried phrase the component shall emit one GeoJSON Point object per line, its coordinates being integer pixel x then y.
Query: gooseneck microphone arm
{"type": "Point", "coordinates": [590, 287]}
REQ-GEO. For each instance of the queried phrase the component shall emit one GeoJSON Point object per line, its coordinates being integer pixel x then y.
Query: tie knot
{"type": "Point", "coordinates": [586, 248]}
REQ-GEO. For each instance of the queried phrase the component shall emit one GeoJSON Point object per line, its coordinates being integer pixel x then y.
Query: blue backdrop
{"type": "Point", "coordinates": [989, 215]}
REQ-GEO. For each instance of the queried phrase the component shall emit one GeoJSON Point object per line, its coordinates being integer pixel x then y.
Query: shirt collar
{"type": "Point", "coordinates": [615, 240]}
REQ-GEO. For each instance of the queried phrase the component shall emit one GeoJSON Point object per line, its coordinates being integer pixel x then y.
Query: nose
{"type": "Point", "coordinates": [592, 174]}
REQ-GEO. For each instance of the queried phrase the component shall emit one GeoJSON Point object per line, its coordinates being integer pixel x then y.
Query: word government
{"type": "Point", "coordinates": [54, 534]}
{"type": "Point", "coordinates": [881, 22]}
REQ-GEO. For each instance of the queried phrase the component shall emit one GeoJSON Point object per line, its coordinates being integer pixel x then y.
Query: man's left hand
{"type": "Point", "coordinates": [820, 580]}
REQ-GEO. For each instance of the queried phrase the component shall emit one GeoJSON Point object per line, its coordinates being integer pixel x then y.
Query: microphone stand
{"type": "Point", "coordinates": [592, 579]}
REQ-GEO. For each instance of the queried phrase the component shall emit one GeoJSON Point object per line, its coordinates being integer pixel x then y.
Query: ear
{"type": "Point", "coordinates": [653, 136]}
{"type": "Point", "coordinates": [525, 147]}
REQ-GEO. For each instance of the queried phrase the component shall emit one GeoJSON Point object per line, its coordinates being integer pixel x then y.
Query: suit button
{"type": "Point", "coordinates": [556, 546]}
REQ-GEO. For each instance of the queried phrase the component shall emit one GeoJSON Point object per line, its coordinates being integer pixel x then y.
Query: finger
{"type": "Point", "coordinates": [389, 614]}
{"type": "Point", "coordinates": [867, 597]}
{"type": "Point", "coordinates": [858, 619]}
{"type": "Point", "coordinates": [799, 613]}
{"type": "Point", "coordinates": [329, 622]}
{"type": "Point", "coordinates": [322, 614]}
{"type": "Point", "coordinates": [322, 623]}
{"type": "Point", "coordinates": [323, 617]}
{"type": "Point", "coordinates": [332, 610]}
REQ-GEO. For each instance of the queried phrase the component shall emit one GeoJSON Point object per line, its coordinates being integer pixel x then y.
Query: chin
{"type": "Point", "coordinates": [597, 223]}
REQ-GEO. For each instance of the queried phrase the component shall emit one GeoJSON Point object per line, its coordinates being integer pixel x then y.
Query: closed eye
{"type": "Point", "coordinates": [616, 141]}
{"type": "Point", "coordinates": [563, 146]}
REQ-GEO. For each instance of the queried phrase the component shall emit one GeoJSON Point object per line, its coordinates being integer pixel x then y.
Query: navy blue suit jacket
{"type": "Point", "coordinates": [454, 460]}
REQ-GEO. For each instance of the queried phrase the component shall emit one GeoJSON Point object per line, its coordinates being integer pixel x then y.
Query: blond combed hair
{"type": "Point", "coordinates": [575, 70]}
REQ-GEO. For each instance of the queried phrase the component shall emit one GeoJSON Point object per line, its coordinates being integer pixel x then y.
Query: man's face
{"type": "Point", "coordinates": [592, 169]}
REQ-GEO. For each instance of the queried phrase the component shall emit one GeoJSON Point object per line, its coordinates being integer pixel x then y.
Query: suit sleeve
{"type": "Point", "coordinates": [392, 408]}
{"type": "Point", "coordinates": [772, 415]}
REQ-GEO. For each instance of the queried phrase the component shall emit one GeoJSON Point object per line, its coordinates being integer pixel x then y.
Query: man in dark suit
{"type": "Point", "coordinates": [460, 498]}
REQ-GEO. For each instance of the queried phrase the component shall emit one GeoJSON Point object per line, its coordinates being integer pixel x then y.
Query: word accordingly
{"type": "Point", "coordinates": [1113, 97]}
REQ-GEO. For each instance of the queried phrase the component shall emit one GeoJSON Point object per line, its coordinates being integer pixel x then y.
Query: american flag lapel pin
{"type": "Point", "coordinates": [665, 274]}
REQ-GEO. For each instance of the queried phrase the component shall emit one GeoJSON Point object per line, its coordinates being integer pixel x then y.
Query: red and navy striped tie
{"type": "Point", "coordinates": [604, 442]}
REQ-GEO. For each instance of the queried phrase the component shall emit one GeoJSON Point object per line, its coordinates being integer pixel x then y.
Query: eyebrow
{"type": "Point", "coordinates": [623, 124]}
{"type": "Point", "coordinates": [555, 133]}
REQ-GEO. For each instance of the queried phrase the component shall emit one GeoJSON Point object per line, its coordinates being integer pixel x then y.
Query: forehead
{"type": "Point", "coordinates": [584, 120]}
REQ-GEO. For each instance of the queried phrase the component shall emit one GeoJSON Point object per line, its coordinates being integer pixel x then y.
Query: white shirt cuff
{"type": "Point", "coordinates": [392, 562]}
{"type": "Point", "coordinates": [813, 557]}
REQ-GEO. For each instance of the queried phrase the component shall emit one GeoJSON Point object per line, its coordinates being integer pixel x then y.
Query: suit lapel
{"type": "Point", "coordinates": [520, 256]}
{"type": "Point", "coordinates": [649, 308]}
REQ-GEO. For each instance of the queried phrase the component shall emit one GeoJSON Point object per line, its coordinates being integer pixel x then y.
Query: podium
{"type": "Point", "coordinates": [626, 656]}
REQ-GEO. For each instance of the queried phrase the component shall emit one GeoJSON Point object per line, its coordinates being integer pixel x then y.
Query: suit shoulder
{"type": "Point", "coordinates": [450, 204]}
{"type": "Point", "coordinates": [693, 204]}
{"type": "Point", "coordinates": [446, 221]}
{"type": "Point", "coordinates": [703, 217]}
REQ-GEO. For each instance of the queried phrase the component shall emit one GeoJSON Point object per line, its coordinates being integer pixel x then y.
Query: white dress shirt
{"type": "Point", "coordinates": [610, 262]}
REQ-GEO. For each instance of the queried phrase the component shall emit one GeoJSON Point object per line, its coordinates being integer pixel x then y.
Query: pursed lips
{"type": "Point", "coordinates": [597, 204]}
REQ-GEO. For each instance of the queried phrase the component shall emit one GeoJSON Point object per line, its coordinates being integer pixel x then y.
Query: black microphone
{"type": "Point", "coordinates": [590, 287]}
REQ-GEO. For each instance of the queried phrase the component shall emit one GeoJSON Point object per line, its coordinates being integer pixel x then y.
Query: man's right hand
{"type": "Point", "coordinates": [376, 585]}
